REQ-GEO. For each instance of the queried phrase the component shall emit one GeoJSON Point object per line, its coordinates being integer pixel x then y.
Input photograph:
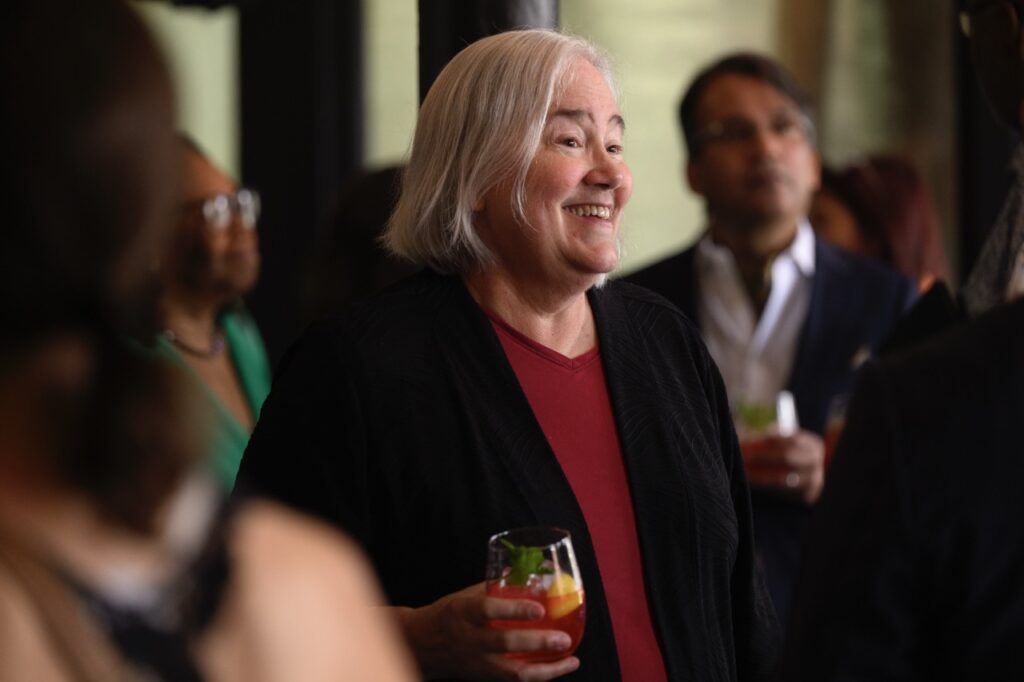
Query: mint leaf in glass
{"type": "Point", "coordinates": [523, 562]}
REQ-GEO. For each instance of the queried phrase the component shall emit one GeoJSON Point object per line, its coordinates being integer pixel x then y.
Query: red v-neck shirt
{"type": "Point", "coordinates": [569, 398]}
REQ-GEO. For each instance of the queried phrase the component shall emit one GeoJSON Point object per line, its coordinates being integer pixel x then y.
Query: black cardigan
{"type": "Point", "coordinates": [403, 423]}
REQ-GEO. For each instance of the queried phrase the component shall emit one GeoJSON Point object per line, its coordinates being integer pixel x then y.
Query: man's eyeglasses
{"type": "Point", "coordinates": [739, 131]}
{"type": "Point", "coordinates": [966, 20]}
{"type": "Point", "coordinates": [219, 210]}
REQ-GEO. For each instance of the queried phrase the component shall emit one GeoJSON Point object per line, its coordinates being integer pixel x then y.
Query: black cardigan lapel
{"type": "Point", "coordinates": [496, 409]}
{"type": "Point", "coordinates": [662, 503]}
{"type": "Point", "coordinates": [504, 428]}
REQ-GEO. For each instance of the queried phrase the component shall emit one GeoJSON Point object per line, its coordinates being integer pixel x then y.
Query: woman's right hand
{"type": "Point", "coordinates": [452, 638]}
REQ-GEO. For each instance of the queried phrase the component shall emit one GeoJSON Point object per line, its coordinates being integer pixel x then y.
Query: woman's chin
{"type": "Point", "coordinates": [605, 261]}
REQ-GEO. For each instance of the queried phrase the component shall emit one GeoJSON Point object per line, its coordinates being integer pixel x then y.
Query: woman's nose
{"type": "Point", "coordinates": [608, 172]}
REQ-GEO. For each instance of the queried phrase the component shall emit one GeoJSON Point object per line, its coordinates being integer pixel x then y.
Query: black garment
{"type": "Point", "coordinates": [914, 563]}
{"type": "Point", "coordinates": [161, 649]}
{"type": "Point", "coordinates": [855, 303]}
{"type": "Point", "coordinates": [403, 423]}
{"type": "Point", "coordinates": [933, 312]}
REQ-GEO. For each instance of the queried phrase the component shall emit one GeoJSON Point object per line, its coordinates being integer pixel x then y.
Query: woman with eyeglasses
{"type": "Point", "coordinates": [212, 261]}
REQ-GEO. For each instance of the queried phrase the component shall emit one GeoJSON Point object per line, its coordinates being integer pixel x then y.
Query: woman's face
{"type": "Point", "coordinates": [223, 262]}
{"type": "Point", "coordinates": [576, 188]}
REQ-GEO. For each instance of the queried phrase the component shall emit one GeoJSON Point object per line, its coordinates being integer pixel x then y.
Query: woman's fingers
{"type": "Point", "coordinates": [498, 641]}
{"type": "Point", "coordinates": [492, 608]}
{"type": "Point", "coordinates": [520, 671]}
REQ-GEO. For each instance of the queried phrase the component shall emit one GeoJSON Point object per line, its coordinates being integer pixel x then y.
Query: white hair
{"type": "Point", "coordinates": [480, 124]}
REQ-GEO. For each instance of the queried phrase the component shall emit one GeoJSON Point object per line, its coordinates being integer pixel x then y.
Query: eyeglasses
{"type": "Point", "coordinates": [790, 126]}
{"type": "Point", "coordinates": [966, 22]}
{"type": "Point", "coordinates": [219, 210]}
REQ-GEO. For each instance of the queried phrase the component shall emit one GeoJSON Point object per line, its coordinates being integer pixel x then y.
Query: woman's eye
{"type": "Point", "coordinates": [615, 149]}
{"type": "Point", "coordinates": [572, 142]}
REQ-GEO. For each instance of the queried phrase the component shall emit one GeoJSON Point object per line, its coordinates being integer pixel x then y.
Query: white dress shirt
{"type": "Point", "coordinates": [754, 355]}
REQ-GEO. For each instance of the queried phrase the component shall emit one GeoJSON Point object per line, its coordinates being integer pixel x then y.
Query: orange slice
{"type": "Point", "coordinates": [563, 597]}
{"type": "Point", "coordinates": [562, 584]}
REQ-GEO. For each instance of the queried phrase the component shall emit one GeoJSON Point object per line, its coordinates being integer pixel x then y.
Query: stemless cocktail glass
{"type": "Point", "coordinates": [538, 564]}
{"type": "Point", "coordinates": [755, 422]}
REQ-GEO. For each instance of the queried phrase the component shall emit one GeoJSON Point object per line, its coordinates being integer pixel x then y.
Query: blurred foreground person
{"type": "Point", "coordinates": [913, 561]}
{"type": "Point", "coordinates": [212, 261]}
{"type": "Point", "coordinates": [115, 561]}
{"type": "Point", "coordinates": [506, 387]}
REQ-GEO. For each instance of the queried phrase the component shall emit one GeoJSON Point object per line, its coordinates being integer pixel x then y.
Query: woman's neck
{"type": "Point", "coordinates": [192, 320]}
{"type": "Point", "coordinates": [562, 322]}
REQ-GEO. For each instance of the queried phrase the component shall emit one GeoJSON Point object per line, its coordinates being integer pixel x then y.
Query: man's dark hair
{"type": "Point", "coordinates": [746, 64]}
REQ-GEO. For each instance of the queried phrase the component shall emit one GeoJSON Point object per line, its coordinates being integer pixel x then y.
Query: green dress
{"type": "Point", "coordinates": [227, 436]}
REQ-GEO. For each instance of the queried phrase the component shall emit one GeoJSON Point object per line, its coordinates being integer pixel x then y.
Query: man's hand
{"type": "Point", "coordinates": [452, 638]}
{"type": "Point", "coordinates": [793, 466]}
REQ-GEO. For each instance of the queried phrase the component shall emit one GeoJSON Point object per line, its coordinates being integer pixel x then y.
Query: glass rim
{"type": "Point", "coordinates": [556, 534]}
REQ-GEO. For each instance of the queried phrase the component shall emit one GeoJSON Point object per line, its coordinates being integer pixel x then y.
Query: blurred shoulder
{"type": "Point", "coordinates": [303, 600]}
{"type": "Point", "coordinates": [26, 651]}
{"type": "Point", "coordinates": [269, 540]}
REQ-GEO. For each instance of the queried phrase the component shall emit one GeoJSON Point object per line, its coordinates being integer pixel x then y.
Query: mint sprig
{"type": "Point", "coordinates": [524, 561]}
{"type": "Point", "coordinates": [756, 416]}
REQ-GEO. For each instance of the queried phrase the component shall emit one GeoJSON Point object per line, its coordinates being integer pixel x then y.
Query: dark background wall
{"type": "Point", "coordinates": [302, 132]}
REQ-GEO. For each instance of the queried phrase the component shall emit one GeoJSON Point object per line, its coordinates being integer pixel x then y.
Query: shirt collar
{"type": "Point", "coordinates": [800, 251]}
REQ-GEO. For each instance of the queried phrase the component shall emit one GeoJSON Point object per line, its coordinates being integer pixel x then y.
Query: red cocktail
{"type": "Point", "coordinates": [760, 457]}
{"type": "Point", "coordinates": [565, 612]}
{"type": "Point", "coordinates": [538, 564]}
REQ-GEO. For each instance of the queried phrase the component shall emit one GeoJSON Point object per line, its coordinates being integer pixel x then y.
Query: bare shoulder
{"type": "Point", "coordinates": [302, 603]}
{"type": "Point", "coordinates": [270, 540]}
{"type": "Point", "coordinates": [25, 649]}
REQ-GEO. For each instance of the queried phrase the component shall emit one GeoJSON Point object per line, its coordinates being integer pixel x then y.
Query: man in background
{"type": "Point", "coordinates": [778, 309]}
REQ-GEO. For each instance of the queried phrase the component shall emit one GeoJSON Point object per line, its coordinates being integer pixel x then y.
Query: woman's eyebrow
{"type": "Point", "coordinates": [582, 116]}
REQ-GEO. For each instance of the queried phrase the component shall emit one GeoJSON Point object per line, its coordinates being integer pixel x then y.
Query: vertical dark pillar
{"type": "Point", "coordinates": [301, 103]}
{"type": "Point", "coordinates": [447, 26]}
{"type": "Point", "coordinates": [985, 150]}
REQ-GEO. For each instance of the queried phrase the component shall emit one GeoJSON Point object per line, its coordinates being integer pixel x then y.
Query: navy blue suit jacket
{"type": "Point", "coordinates": [855, 303]}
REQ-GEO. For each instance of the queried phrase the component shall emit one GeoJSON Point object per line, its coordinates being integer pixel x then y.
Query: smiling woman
{"type": "Point", "coordinates": [577, 184]}
{"type": "Point", "coordinates": [504, 387]}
